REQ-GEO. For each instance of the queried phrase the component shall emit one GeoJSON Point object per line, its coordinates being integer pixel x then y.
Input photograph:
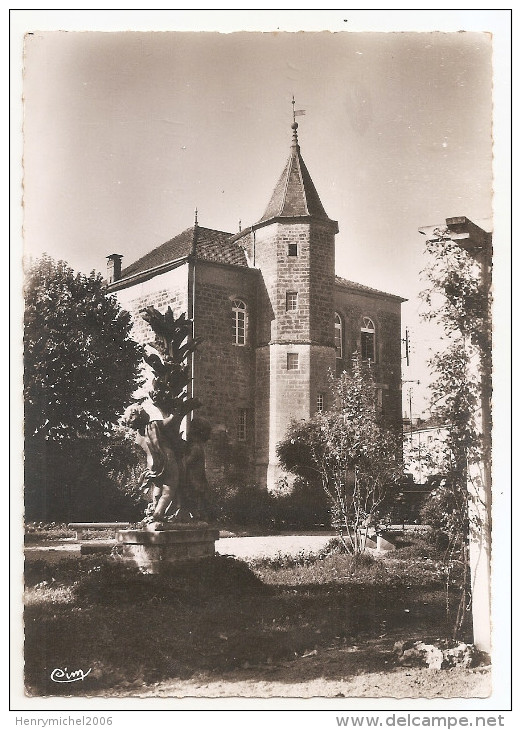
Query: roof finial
{"type": "Point", "coordinates": [294, 126]}
{"type": "Point", "coordinates": [195, 218]}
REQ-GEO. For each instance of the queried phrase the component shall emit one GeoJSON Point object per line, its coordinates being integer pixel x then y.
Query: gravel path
{"type": "Point", "coordinates": [271, 546]}
{"type": "Point", "coordinates": [238, 547]}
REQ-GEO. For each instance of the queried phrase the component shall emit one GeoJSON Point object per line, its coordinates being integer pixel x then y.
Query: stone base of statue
{"type": "Point", "coordinates": [156, 546]}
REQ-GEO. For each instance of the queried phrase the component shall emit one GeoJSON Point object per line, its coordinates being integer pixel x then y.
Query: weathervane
{"type": "Point", "coordinates": [298, 112]}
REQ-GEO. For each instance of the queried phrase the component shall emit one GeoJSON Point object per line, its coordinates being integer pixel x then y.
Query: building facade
{"type": "Point", "coordinates": [274, 322]}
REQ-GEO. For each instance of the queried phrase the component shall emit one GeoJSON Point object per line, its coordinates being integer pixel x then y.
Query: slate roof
{"type": "Point", "coordinates": [340, 281]}
{"type": "Point", "coordinates": [295, 193]}
{"type": "Point", "coordinates": [211, 245]}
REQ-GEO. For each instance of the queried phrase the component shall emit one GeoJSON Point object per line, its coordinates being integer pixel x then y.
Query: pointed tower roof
{"type": "Point", "coordinates": [295, 194]}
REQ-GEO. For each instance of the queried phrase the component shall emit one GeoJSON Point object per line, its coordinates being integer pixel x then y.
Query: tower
{"type": "Point", "coordinates": [293, 245]}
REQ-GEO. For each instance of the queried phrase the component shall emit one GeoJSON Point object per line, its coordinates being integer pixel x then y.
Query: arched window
{"type": "Point", "coordinates": [367, 339]}
{"type": "Point", "coordinates": [339, 345]}
{"type": "Point", "coordinates": [239, 322]}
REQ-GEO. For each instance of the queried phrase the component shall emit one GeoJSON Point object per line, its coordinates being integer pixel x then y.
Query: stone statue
{"type": "Point", "coordinates": [174, 481]}
{"type": "Point", "coordinates": [163, 446]}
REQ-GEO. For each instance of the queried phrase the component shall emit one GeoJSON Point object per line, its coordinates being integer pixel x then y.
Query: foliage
{"type": "Point", "coordinates": [173, 345]}
{"type": "Point", "coordinates": [82, 480]}
{"type": "Point", "coordinates": [300, 506]}
{"type": "Point", "coordinates": [457, 298]}
{"type": "Point", "coordinates": [81, 365]}
{"type": "Point", "coordinates": [331, 566]}
{"type": "Point", "coordinates": [236, 503]}
{"type": "Point", "coordinates": [80, 362]}
{"type": "Point", "coordinates": [458, 302]}
{"type": "Point", "coordinates": [38, 531]}
{"type": "Point", "coordinates": [350, 453]}
{"type": "Point", "coordinates": [445, 509]}
{"type": "Point", "coordinates": [242, 505]}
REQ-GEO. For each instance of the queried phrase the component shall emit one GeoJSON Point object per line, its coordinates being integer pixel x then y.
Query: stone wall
{"type": "Point", "coordinates": [352, 305]}
{"type": "Point", "coordinates": [309, 274]}
{"type": "Point", "coordinates": [322, 364]}
{"type": "Point", "coordinates": [262, 412]}
{"type": "Point", "coordinates": [322, 283]}
{"type": "Point", "coordinates": [164, 290]}
{"type": "Point", "coordinates": [224, 373]}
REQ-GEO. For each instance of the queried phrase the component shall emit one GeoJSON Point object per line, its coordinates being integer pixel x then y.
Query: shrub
{"type": "Point", "coordinates": [300, 506]}
{"type": "Point", "coordinates": [350, 452]}
{"type": "Point", "coordinates": [240, 504]}
{"type": "Point", "coordinates": [82, 480]}
{"type": "Point", "coordinates": [295, 507]}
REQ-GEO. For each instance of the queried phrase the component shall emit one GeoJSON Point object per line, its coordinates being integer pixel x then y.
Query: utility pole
{"type": "Point", "coordinates": [409, 393]}
{"type": "Point", "coordinates": [478, 244]}
{"type": "Point", "coordinates": [407, 344]}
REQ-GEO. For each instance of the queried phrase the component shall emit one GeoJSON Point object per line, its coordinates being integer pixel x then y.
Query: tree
{"type": "Point", "coordinates": [80, 362]}
{"type": "Point", "coordinates": [350, 453]}
{"type": "Point", "coordinates": [80, 368]}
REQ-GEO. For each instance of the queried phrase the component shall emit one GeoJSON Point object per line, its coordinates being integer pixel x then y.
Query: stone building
{"type": "Point", "coordinates": [274, 320]}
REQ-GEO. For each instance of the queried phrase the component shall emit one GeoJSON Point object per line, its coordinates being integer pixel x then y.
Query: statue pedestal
{"type": "Point", "coordinates": [154, 550]}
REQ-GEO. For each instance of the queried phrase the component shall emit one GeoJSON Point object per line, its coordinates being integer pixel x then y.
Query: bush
{"type": "Point", "coordinates": [296, 507]}
{"type": "Point", "coordinates": [431, 546]}
{"type": "Point", "coordinates": [239, 504]}
{"type": "Point", "coordinates": [300, 507]}
{"type": "Point", "coordinates": [35, 531]}
{"type": "Point", "coordinates": [83, 480]}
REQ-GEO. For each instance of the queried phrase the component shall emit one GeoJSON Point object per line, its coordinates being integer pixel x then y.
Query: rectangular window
{"type": "Point", "coordinates": [240, 328]}
{"type": "Point", "coordinates": [292, 360]}
{"type": "Point", "coordinates": [239, 322]}
{"type": "Point", "coordinates": [242, 424]}
{"type": "Point", "coordinates": [291, 301]}
{"type": "Point", "coordinates": [338, 342]}
{"type": "Point", "coordinates": [292, 249]}
{"type": "Point", "coordinates": [320, 402]}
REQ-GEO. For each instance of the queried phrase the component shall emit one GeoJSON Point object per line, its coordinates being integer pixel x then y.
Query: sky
{"type": "Point", "coordinates": [126, 133]}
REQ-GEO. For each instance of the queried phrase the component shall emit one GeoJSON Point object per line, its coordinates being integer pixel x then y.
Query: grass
{"type": "Point", "coordinates": [99, 614]}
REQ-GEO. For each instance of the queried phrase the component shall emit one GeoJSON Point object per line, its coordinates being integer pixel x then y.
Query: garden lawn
{"type": "Point", "coordinates": [140, 634]}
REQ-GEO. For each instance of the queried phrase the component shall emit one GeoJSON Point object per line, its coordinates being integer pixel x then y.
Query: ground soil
{"type": "Point", "coordinates": [329, 674]}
